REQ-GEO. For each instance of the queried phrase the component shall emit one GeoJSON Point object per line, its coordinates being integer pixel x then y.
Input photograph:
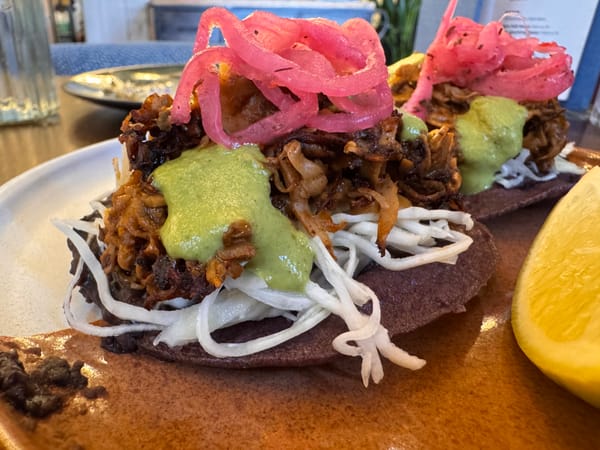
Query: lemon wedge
{"type": "Point", "coordinates": [413, 59]}
{"type": "Point", "coordinates": [556, 304]}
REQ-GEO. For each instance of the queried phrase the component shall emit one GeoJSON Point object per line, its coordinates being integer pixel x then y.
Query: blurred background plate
{"type": "Point", "coordinates": [124, 87]}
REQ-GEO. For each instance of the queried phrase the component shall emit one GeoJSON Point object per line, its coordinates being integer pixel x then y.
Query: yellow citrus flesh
{"type": "Point", "coordinates": [556, 305]}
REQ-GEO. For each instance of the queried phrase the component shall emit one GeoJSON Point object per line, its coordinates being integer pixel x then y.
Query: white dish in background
{"type": "Point", "coordinates": [124, 87]}
{"type": "Point", "coordinates": [34, 258]}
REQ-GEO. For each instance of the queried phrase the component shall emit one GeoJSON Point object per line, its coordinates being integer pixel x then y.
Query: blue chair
{"type": "Point", "coordinates": [74, 58]}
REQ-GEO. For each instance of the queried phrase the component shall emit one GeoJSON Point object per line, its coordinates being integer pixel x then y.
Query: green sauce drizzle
{"type": "Point", "coordinates": [207, 189]}
{"type": "Point", "coordinates": [412, 127]}
{"type": "Point", "coordinates": [489, 134]}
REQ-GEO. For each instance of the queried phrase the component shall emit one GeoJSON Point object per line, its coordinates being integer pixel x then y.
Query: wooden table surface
{"type": "Point", "coordinates": [80, 123]}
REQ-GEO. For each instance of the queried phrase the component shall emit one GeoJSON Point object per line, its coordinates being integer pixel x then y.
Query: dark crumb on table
{"type": "Point", "coordinates": [33, 351]}
{"type": "Point", "coordinates": [46, 387]}
{"type": "Point", "coordinates": [94, 392]}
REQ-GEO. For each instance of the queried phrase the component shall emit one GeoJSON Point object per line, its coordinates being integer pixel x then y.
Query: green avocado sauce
{"type": "Point", "coordinates": [489, 134]}
{"type": "Point", "coordinates": [412, 127]}
{"type": "Point", "coordinates": [207, 189]}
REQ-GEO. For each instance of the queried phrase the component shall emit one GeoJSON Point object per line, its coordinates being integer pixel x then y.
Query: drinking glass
{"type": "Point", "coordinates": [27, 90]}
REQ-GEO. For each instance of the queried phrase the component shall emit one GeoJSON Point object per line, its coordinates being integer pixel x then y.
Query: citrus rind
{"type": "Point", "coordinates": [563, 340]}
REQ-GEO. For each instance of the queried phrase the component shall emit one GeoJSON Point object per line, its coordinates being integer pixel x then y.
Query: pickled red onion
{"type": "Point", "coordinates": [487, 59]}
{"type": "Point", "coordinates": [291, 61]}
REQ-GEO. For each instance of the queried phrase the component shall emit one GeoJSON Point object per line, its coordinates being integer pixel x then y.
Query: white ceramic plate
{"type": "Point", "coordinates": [34, 258]}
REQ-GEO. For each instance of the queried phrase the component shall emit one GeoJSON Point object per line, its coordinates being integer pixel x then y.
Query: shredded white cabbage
{"type": "Point", "coordinates": [517, 170]}
{"type": "Point", "coordinates": [332, 290]}
{"type": "Point", "coordinates": [563, 165]}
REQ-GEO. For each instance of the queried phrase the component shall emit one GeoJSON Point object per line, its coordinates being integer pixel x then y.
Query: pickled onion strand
{"type": "Point", "coordinates": [199, 65]}
{"type": "Point", "coordinates": [281, 122]}
{"type": "Point", "coordinates": [292, 115]}
{"type": "Point", "coordinates": [357, 103]}
{"type": "Point", "coordinates": [212, 118]}
{"type": "Point", "coordinates": [284, 70]}
{"type": "Point", "coordinates": [273, 32]}
{"type": "Point", "coordinates": [488, 60]}
{"type": "Point", "coordinates": [274, 94]}
{"type": "Point", "coordinates": [424, 89]}
{"type": "Point", "coordinates": [327, 38]}
{"type": "Point", "coordinates": [363, 38]}
{"type": "Point", "coordinates": [543, 74]}
{"type": "Point", "coordinates": [350, 121]}
{"type": "Point", "coordinates": [291, 61]}
{"type": "Point", "coordinates": [346, 122]}
{"type": "Point", "coordinates": [238, 36]}
{"type": "Point", "coordinates": [304, 56]}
